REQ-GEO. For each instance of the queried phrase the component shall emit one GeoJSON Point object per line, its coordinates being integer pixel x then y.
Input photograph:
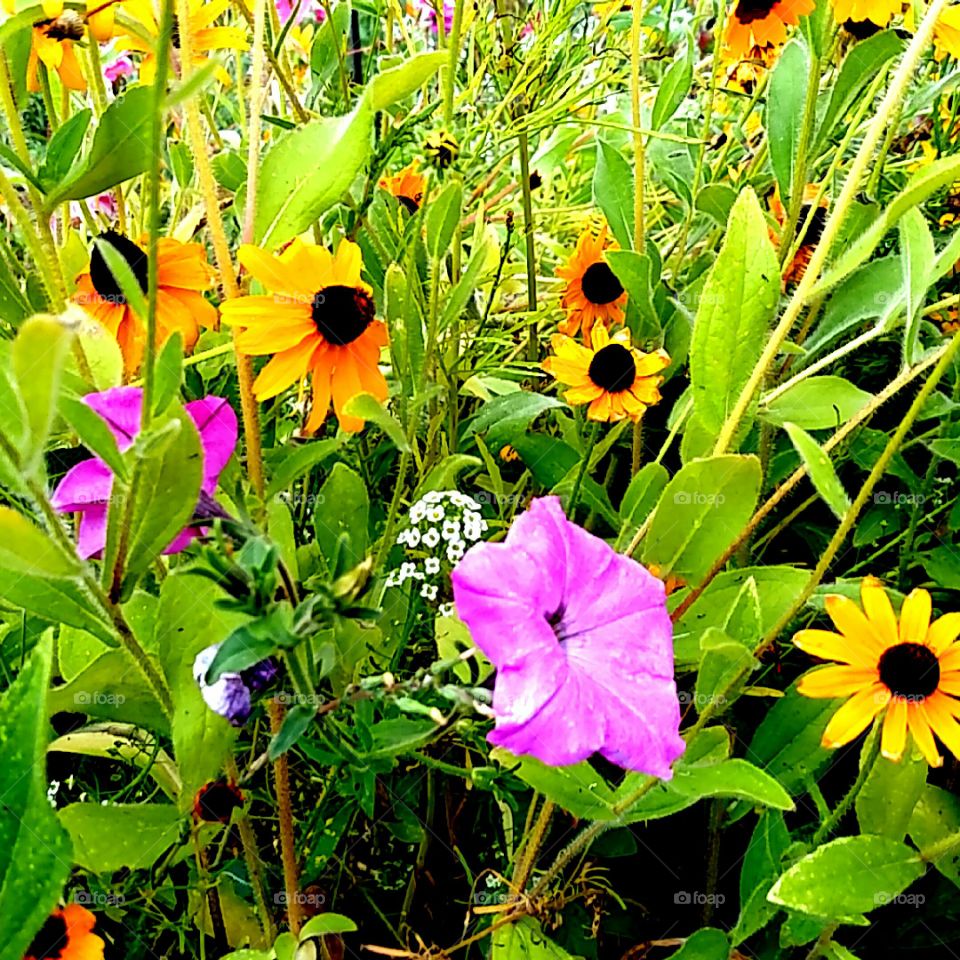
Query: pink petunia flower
{"type": "Point", "coordinates": [427, 11]}
{"type": "Point", "coordinates": [86, 488]}
{"type": "Point", "coordinates": [121, 67]}
{"type": "Point", "coordinates": [309, 9]}
{"type": "Point", "coordinates": [582, 643]}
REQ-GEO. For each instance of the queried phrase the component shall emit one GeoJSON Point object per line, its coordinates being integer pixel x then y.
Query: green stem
{"type": "Point", "coordinates": [591, 443]}
{"type": "Point", "coordinates": [533, 346]}
{"type": "Point", "coordinates": [872, 750]}
{"type": "Point", "coordinates": [450, 76]}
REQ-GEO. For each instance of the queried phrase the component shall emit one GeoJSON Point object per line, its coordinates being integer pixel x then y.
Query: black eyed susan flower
{"type": "Point", "coordinates": [760, 27]}
{"type": "Point", "coordinates": [52, 45]}
{"type": "Point", "coordinates": [593, 292]}
{"type": "Point", "coordinates": [879, 12]}
{"type": "Point", "coordinates": [907, 671]}
{"type": "Point", "coordinates": [407, 186]}
{"type": "Point", "coordinates": [67, 935]}
{"type": "Point", "coordinates": [946, 34]}
{"type": "Point", "coordinates": [617, 380]}
{"type": "Point", "coordinates": [215, 801]}
{"type": "Point", "coordinates": [183, 272]}
{"type": "Point", "coordinates": [441, 149]}
{"type": "Point", "coordinates": [319, 318]}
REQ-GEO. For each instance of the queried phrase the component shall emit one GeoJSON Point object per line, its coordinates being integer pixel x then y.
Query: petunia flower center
{"type": "Point", "coordinates": [100, 276]}
{"type": "Point", "coordinates": [910, 671]}
{"type": "Point", "coordinates": [342, 314]}
{"type": "Point", "coordinates": [613, 368]}
{"type": "Point", "coordinates": [749, 10]}
{"type": "Point", "coordinates": [555, 620]}
{"type": "Point", "coordinates": [51, 941]}
{"type": "Point", "coordinates": [600, 284]}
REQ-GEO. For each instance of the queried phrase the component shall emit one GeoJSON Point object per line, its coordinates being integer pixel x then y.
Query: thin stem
{"type": "Point", "coordinates": [450, 76]}
{"type": "Point", "coordinates": [533, 345]}
{"type": "Point", "coordinates": [830, 824]}
{"type": "Point", "coordinates": [639, 144]}
{"type": "Point", "coordinates": [291, 872]}
{"type": "Point", "coordinates": [528, 857]}
{"type": "Point", "coordinates": [591, 443]}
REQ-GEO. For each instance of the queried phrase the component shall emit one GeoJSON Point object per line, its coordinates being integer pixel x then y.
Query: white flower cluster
{"type": "Point", "coordinates": [440, 527]}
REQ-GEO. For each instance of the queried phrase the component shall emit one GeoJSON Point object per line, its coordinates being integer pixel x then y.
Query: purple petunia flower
{"type": "Point", "coordinates": [231, 694]}
{"type": "Point", "coordinates": [582, 643]}
{"type": "Point", "coordinates": [86, 488]}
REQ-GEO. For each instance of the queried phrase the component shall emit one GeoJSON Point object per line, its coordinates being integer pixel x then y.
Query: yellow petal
{"type": "Point", "coordinates": [832, 646]}
{"type": "Point", "coordinates": [894, 736]}
{"type": "Point", "coordinates": [283, 370]}
{"type": "Point", "coordinates": [879, 610]}
{"type": "Point", "coordinates": [852, 623]}
{"type": "Point", "coordinates": [275, 275]}
{"type": "Point", "coordinates": [915, 617]}
{"type": "Point", "coordinates": [943, 631]}
{"type": "Point", "coordinates": [830, 682]}
{"type": "Point", "coordinates": [936, 710]}
{"type": "Point", "coordinates": [855, 716]}
{"type": "Point", "coordinates": [922, 737]}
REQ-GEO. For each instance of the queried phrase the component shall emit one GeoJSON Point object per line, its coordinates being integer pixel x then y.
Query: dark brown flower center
{"type": "Point", "coordinates": [216, 801]}
{"type": "Point", "coordinates": [749, 10]}
{"type": "Point", "coordinates": [910, 670]}
{"type": "Point", "coordinates": [812, 234]}
{"type": "Point", "coordinates": [68, 26]}
{"type": "Point", "coordinates": [342, 314]}
{"type": "Point", "coordinates": [103, 280]}
{"type": "Point", "coordinates": [51, 941]}
{"type": "Point", "coordinates": [600, 284]}
{"type": "Point", "coordinates": [860, 29]}
{"type": "Point", "coordinates": [412, 204]}
{"type": "Point", "coordinates": [613, 368]}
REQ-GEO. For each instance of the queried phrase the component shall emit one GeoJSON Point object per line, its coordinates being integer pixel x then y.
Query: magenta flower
{"type": "Point", "coordinates": [582, 643]}
{"type": "Point", "coordinates": [86, 488]}
{"type": "Point", "coordinates": [121, 67]}
{"type": "Point", "coordinates": [309, 9]}
{"type": "Point", "coordinates": [428, 11]}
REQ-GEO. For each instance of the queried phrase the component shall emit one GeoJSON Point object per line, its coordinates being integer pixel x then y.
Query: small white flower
{"type": "Point", "coordinates": [454, 552]}
{"type": "Point", "coordinates": [429, 591]}
{"type": "Point", "coordinates": [417, 511]}
{"type": "Point", "coordinates": [393, 579]}
{"type": "Point", "coordinates": [431, 538]}
{"type": "Point", "coordinates": [432, 565]}
{"type": "Point", "coordinates": [451, 530]}
{"type": "Point", "coordinates": [435, 514]}
{"type": "Point", "coordinates": [413, 537]}
{"type": "Point", "coordinates": [445, 610]}
{"type": "Point", "coordinates": [407, 570]}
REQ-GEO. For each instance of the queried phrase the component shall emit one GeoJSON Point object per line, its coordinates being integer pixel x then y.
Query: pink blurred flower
{"type": "Point", "coordinates": [308, 8]}
{"type": "Point", "coordinates": [121, 67]}
{"type": "Point", "coordinates": [86, 488]}
{"type": "Point", "coordinates": [582, 643]}
{"type": "Point", "coordinates": [427, 11]}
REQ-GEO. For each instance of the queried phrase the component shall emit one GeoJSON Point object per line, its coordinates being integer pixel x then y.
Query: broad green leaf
{"type": "Point", "coordinates": [525, 940]}
{"type": "Point", "coordinates": [500, 419]}
{"type": "Point", "coordinates": [36, 857]}
{"type": "Point", "coordinates": [717, 200]}
{"type": "Point", "coordinates": [368, 407]}
{"type": "Point", "coordinates": [63, 148]}
{"type": "Point", "coordinates": [120, 149]}
{"type": "Point", "coordinates": [343, 507]}
{"type": "Point", "coordinates": [820, 470]}
{"type": "Point", "coordinates": [761, 867]}
{"type": "Point", "coordinates": [917, 256]}
{"type": "Point", "coordinates": [442, 217]}
{"type": "Point", "coordinates": [734, 313]}
{"type": "Point", "coordinates": [724, 664]}
{"type": "Point", "coordinates": [327, 923]}
{"type": "Point", "coordinates": [252, 642]}
{"type": "Point", "coordinates": [644, 491]}
{"type": "Point", "coordinates": [817, 403]}
{"type": "Point", "coordinates": [888, 797]}
{"type": "Point", "coordinates": [391, 86]}
{"type": "Point", "coordinates": [293, 191]}
{"type": "Point", "coordinates": [935, 819]}
{"type": "Point", "coordinates": [294, 726]}
{"type": "Point", "coordinates": [119, 836]}
{"type": "Point", "coordinates": [785, 106]}
{"type": "Point", "coordinates": [28, 548]}
{"type": "Point", "coordinates": [39, 356]}
{"type": "Point", "coordinates": [633, 270]}
{"type": "Point", "coordinates": [706, 944]}
{"type": "Point", "coordinates": [188, 621]}
{"type": "Point", "coordinates": [861, 64]}
{"type": "Point", "coordinates": [613, 192]}
{"type": "Point", "coordinates": [921, 185]}
{"type": "Point", "coordinates": [299, 460]}
{"type": "Point", "coordinates": [549, 459]}
{"type": "Point", "coordinates": [673, 88]}
{"type": "Point", "coordinates": [874, 871]}
{"type": "Point", "coordinates": [399, 735]}
{"type": "Point", "coordinates": [700, 513]}
{"type": "Point", "coordinates": [168, 373]}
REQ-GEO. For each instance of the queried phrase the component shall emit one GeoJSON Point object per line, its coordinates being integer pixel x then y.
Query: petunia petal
{"type": "Point", "coordinates": [92, 536]}
{"type": "Point", "coordinates": [217, 425]}
{"type": "Point", "coordinates": [87, 483]}
{"type": "Point", "coordinates": [120, 408]}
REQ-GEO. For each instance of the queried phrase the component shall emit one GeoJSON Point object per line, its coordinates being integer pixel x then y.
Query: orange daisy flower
{"type": "Point", "coordinates": [756, 27]}
{"type": "Point", "coordinates": [908, 671]}
{"type": "Point", "coordinates": [617, 380]}
{"type": "Point", "coordinates": [67, 935]}
{"type": "Point", "coordinates": [593, 291]}
{"type": "Point", "coordinates": [182, 273]}
{"type": "Point", "coordinates": [319, 319]}
{"type": "Point", "coordinates": [407, 186]}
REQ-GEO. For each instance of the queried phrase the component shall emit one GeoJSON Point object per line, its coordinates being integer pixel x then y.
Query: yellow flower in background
{"type": "Point", "coordinates": [908, 671]}
{"type": "Point", "coordinates": [319, 318]}
{"type": "Point", "coordinates": [205, 35]}
{"type": "Point", "coordinates": [758, 28]}
{"type": "Point", "coordinates": [593, 293]}
{"type": "Point", "coordinates": [946, 34]}
{"type": "Point", "coordinates": [617, 380]}
{"type": "Point", "coordinates": [880, 12]}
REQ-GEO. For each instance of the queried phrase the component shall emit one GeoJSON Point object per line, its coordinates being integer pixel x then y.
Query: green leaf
{"type": "Point", "coordinates": [875, 870]}
{"type": "Point", "coordinates": [39, 355]}
{"type": "Point", "coordinates": [888, 797]}
{"type": "Point", "coordinates": [93, 432]}
{"type": "Point", "coordinates": [717, 200]}
{"type": "Point", "coordinates": [368, 407]}
{"type": "Point", "coordinates": [706, 944]}
{"type": "Point", "coordinates": [119, 836]}
{"type": "Point", "coordinates": [641, 497]}
{"type": "Point", "coordinates": [785, 107]}
{"type": "Point", "coordinates": [391, 86]}
{"type": "Point", "coordinates": [935, 819]}
{"type": "Point", "coordinates": [524, 940]}
{"type": "Point", "coordinates": [120, 149]}
{"type": "Point", "coordinates": [252, 642]}
{"type": "Point", "coordinates": [921, 185]}
{"type": "Point", "coordinates": [63, 148]}
{"type": "Point", "coordinates": [761, 867]}
{"type": "Point", "coordinates": [124, 276]}
{"type": "Point", "coordinates": [501, 419]}
{"type": "Point", "coordinates": [723, 663]}
{"type": "Point", "coordinates": [633, 270]}
{"type": "Point", "coordinates": [327, 923]}
{"type": "Point", "coordinates": [820, 470]}
{"type": "Point", "coordinates": [442, 217]}
{"type": "Point", "coordinates": [673, 88]}
{"type": "Point", "coordinates": [343, 507]}
{"type": "Point", "coordinates": [734, 313]}
{"type": "Point", "coordinates": [299, 460]}
{"type": "Point", "coordinates": [28, 548]}
{"type": "Point", "coordinates": [860, 66]}
{"type": "Point", "coordinates": [188, 621]}
{"type": "Point", "coordinates": [295, 725]}
{"type": "Point", "coordinates": [613, 192]}
{"type": "Point", "coordinates": [457, 298]}
{"type": "Point", "coordinates": [700, 513]}
{"type": "Point", "coordinates": [917, 256]}
{"type": "Point", "coordinates": [168, 372]}
{"type": "Point", "coordinates": [293, 194]}
{"type": "Point", "coordinates": [817, 403]}
{"type": "Point", "coordinates": [36, 850]}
